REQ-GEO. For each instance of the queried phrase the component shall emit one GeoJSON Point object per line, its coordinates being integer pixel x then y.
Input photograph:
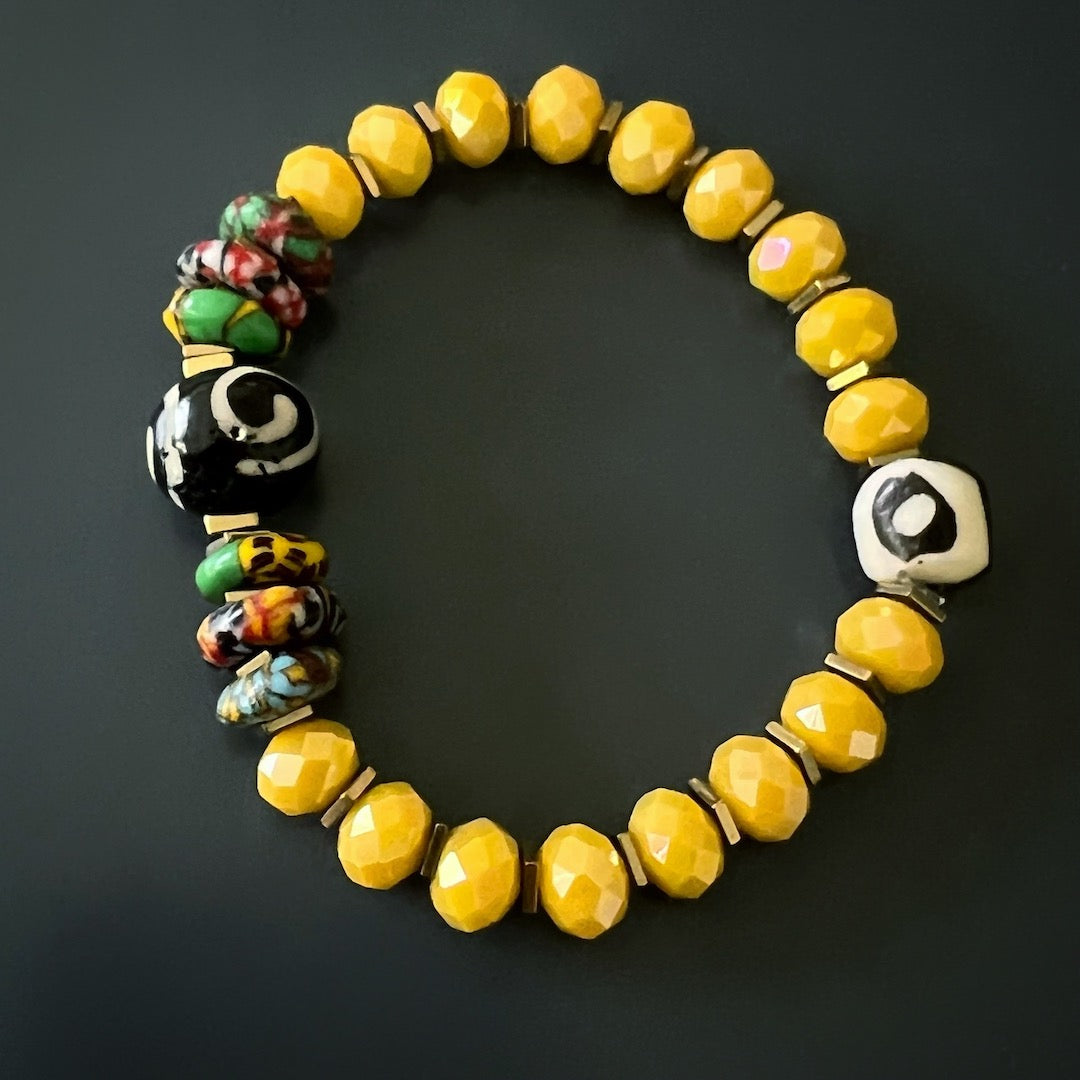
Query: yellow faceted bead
{"type": "Point", "coordinates": [475, 116]}
{"type": "Point", "coordinates": [677, 842]}
{"type": "Point", "coordinates": [649, 145]}
{"type": "Point", "coordinates": [845, 328]}
{"type": "Point", "coordinates": [307, 766]}
{"type": "Point", "coordinates": [584, 885]}
{"type": "Point", "coordinates": [895, 642]}
{"type": "Point", "coordinates": [794, 252]}
{"type": "Point", "coordinates": [761, 785]}
{"type": "Point", "coordinates": [876, 416]}
{"type": "Point", "coordinates": [395, 148]}
{"type": "Point", "coordinates": [384, 836]}
{"type": "Point", "coordinates": [324, 184]}
{"type": "Point", "coordinates": [565, 108]}
{"type": "Point", "coordinates": [841, 724]}
{"type": "Point", "coordinates": [725, 193]}
{"type": "Point", "coordinates": [478, 876]}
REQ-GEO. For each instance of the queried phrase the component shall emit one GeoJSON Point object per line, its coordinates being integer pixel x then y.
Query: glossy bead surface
{"type": "Point", "coordinates": [677, 842]}
{"type": "Point", "coordinates": [220, 316]}
{"type": "Point", "coordinates": [478, 876]}
{"type": "Point", "coordinates": [475, 116]}
{"type": "Point", "coordinates": [565, 108]}
{"type": "Point", "coordinates": [307, 766]}
{"type": "Point", "coordinates": [876, 416]}
{"type": "Point", "coordinates": [795, 251]}
{"type": "Point", "coordinates": [843, 727]}
{"type": "Point", "coordinates": [395, 148]}
{"type": "Point", "coordinates": [845, 328]}
{"type": "Point", "coordinates": [383, 837]}
{"type": "Point", "coordinates": [232, 440]}
{"type": "Point", "coordinates": [276, 617]}
{"type": "Point", "coordinates": [247, 268]}
{"type": "Point", "coordinates": [282, 227]}
{"type": "Point", "coordinates": [584, 885]}
{"type": "Point", "coordinates": [289, 681]}
{"type": "Point", "coordinates": [649, 146]}
{"type": "Point", "coordinates": [324, 184]}
{"type": "Point", "coordinates": [262, 558]}
{"type": "Point", "coordinates": [725, 193]}
{"type": "Point", "coordinates": [894, 641]}
{"type": "Point", "coordinates": [762, 787]}
{"type": "Point", "coordinates": [922, 519]}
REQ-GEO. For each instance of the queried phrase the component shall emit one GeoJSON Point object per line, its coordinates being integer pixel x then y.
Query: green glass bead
{"type": "Point", "coordinates": [204, 313]}
{"type": "Point", "coordinates": [220, 572]}
{"type": "Point", "coordinates": [254, 331]}
{"type": "Point", "coordinates": [219, 316]}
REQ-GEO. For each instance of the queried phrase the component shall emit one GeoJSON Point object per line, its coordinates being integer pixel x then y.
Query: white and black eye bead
{"type": "Point", "coordinates": [921, 519]}
{"type": "Point", "coordinates": [232, 440]}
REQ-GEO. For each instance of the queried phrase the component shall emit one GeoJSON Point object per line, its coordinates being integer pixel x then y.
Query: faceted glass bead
{"type": "Point", "coordinates": [876, 416]}
{"type": "Point", "coordinates": [478, 877]}
{"type": "Point", "coordinates": [794, 252]}
{"type": "Point", "coordinates": [395, 148]}
{"type": "Point", "coordinates": [891, 639]}
{"type": "Point", "coordinates": [565, 108]}
{"type": "Point", "coordinates": [840, 723]}
{"type": "Point", "coordinates": [649, 145]}
{"type": "Point", "coordinates": [726, 192]}
{"type": "Point", "coordinates": [307, 766]}
{"type": "Point", "coordinates": [584, 885]}
{"type": "Point", "coordinates": [845, 328]}
{"type": "Point", "coordinates": [761, 786]}
{"type": "Point", "coordinates": [677, 842]}
{"type": "Point", "coordinates": [475, 116]}
{"type": "Point", "coordinates": [324, 184]}
{"type": "Point", "coordinates": [384, 836]}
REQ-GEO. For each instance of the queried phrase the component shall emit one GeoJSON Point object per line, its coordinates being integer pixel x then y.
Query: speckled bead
{"type": "Point", "coordinates": [278, 617]}
{"type": "Point", "coordinates": [287, 682]}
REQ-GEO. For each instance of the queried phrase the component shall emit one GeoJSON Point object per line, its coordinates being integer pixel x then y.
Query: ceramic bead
{"type": "Point", "coordinates": [231, 440]}
{"type": "Point", "coordinates": [282, 227]}
{"type": "Point", "coordinates": [280, 616]}
{"type": "Point", "coordinates": [263, 558]}
{"type": "Point", "coordinates": [921, 519]}
{"type": "Point", "coordinates": [289, 681]}
{"type": "Point", "coordinates": [220, 316]}
{"type": "Point", "coordinates": [247, 268]}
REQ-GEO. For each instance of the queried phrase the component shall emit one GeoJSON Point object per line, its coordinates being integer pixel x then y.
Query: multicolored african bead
{"type": "Point", "coordinates": [280, 616]}
{"type": "Point", "coordinates": [287, 682]}
{"type": "Point", "coordinates": [264, 558]}
{"type": "Point", "coordinates": [281, 226]}
{"type": "Point", "coordinates": [219, 316]}
{"type": "Point", "coordinates": [247, 268]}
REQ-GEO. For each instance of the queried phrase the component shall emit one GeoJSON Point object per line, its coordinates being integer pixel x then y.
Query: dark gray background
{"type": "Point", "coordinates": [586, 526]}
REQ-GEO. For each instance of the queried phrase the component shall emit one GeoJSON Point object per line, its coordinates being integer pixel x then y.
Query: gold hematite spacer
{"type": "Point", "coordinates": [223, 523]}
{"type": "Point", "coordinates": [816, 290]}
{"type": "Point", "coordinates": [716, 805]}
{"type": "Point", "coordinates": [920, 596]}
{"type": "Point", "coordinates": [229, 537]}
{"type": "Point", "coordinates": [272, 727]}
{"type": "Point", "coordinates": [341, 805]}
{"type": "Point", "coordinates": [685, 173]}
{"type": "Point", "coordinates": [240, 594]}
{"type": "Point", "coordinates": [878, 460]}
{"type": "Point", "coordinates": [200, 358]}
{"type": "Point", "coordinates": [606, 132]}
{"type": "Point", "coordinates": [633, 860]}
{"type": "Point", "coordinates": [430, 123]}
{"type": "Point", "coordinates": [366, 176]}
{"type": "Point", "coordinates": [519, 124]}
{"type": "Point", "coordinates": [796, 747]}
{"type": "Point", "coordinates": [254, 664]}
{"type": "Point", "coordinates": [858, 674]}
{"type": "Point", "coordinates": [759, 223]}
{"type": "Point", "coordinates": [848, 376]}
{"type": "Point", "coordinates": [434, 849]}
{"type": "Point", "coordinates": [530, 885]}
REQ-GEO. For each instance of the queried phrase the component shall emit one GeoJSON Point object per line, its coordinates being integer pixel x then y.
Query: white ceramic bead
{"type": "Point", "coordinates": [921, 519]}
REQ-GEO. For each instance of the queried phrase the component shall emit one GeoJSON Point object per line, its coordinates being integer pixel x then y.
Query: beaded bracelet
{"type": "Point", "coordinates": [233, 440]}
